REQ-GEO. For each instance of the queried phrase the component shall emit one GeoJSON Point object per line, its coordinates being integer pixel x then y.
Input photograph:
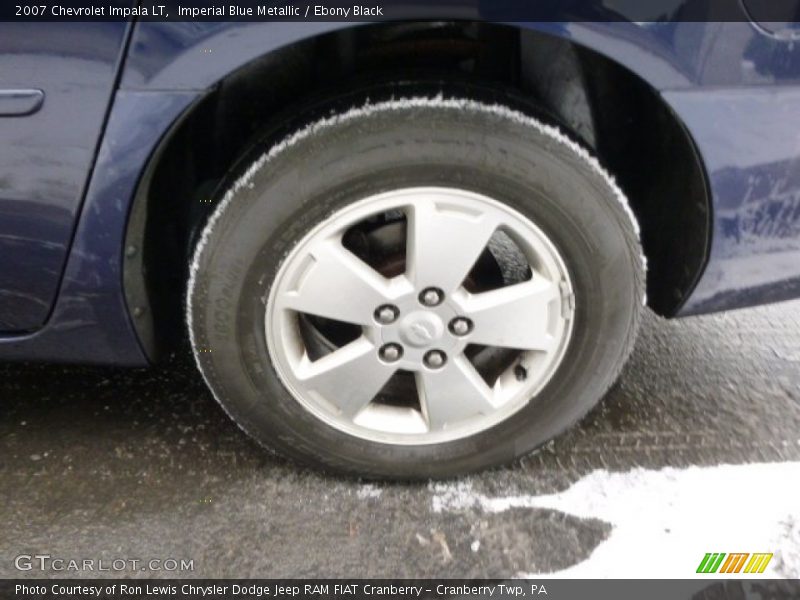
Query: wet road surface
{"type": "Point", "coordinates": [107, 463]}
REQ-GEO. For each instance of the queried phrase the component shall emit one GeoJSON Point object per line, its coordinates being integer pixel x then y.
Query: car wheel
{"type": "Point", "coordinates": [416, 288]}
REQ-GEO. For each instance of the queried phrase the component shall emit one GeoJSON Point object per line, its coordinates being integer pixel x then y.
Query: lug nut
{"type": "Point", "coordinates": [391, 353]}
{"type": "Point", "coordinates": [435, 359]}
{"type": "Point", "coordinates": [387, 314]}
{"type": "Point", "coordinates": [431, 297]}
{"type": "Point", "coordinates": [460, 326]}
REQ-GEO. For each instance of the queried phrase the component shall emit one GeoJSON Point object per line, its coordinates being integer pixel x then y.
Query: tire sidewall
{"type": "Point", "coordinates": [280, 200]}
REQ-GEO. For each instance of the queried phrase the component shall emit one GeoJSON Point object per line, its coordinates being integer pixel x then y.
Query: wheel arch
{"type": "Point", "coordinates": [601, 102]}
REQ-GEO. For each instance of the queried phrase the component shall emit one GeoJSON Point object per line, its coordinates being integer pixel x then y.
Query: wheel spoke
{"type": "Point", "coordinates": [349, 378]}
{"type": "Point", "coordinates": [335, 284]}
{"type": "Point", "coordinates": [452, 394]}
{"type": "Point", "coordinates": [515, 317]}
{"type": "Point", "coordinates": [444, 242]}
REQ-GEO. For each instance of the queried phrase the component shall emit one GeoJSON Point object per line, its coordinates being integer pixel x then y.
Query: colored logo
{"type": "Point", "coordinates": [734, 563]}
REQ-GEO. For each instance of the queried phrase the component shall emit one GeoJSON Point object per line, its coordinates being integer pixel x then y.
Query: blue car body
{"type": "Point", "coordinates": [72, 159]}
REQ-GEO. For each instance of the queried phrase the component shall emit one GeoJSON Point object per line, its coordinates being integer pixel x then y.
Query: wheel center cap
{"type": "Point", "coordinates": [421, 329]}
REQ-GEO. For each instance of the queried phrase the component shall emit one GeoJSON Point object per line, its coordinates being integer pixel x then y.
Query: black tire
{"type": "Point", "coordinates": [408, 143]}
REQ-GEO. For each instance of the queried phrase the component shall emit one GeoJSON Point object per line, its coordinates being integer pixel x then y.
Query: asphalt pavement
{"type": "Point", "coordinates": [109, 464]}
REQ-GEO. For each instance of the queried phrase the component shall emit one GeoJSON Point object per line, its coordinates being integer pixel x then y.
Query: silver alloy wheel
{"type": "Point", "coordinates": [447, 231]}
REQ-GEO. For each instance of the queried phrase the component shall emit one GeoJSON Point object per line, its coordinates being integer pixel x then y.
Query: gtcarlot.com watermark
{"type": "Point", "coordinates": [47, 562]}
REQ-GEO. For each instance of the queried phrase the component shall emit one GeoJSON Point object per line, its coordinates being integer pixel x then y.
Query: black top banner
{"type": "Point", "coordinates": [781, 11]}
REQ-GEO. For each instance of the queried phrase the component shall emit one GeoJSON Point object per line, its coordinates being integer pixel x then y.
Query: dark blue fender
{"type": "Point", "coordinates": [91, 323]}
{"type": "Point", "coordinates": [749, 139]}
{"type": "Point", "coordinates": [56, 85]}
{"type": "Point", "coordinates": [734, 87]}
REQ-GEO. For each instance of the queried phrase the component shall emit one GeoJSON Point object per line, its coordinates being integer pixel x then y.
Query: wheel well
{"type": "Point", "coordinates": [601, 104]}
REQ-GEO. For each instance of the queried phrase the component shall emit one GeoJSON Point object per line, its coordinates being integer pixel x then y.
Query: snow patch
{"type": "Point", "coordinates": [368, 491]}
{"type": "Point", "coordinates": [665, 521]}
{"type": "Point", "coordinates": [787, 548]}
{"type": "Point", "coordinates": [461, 496]}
